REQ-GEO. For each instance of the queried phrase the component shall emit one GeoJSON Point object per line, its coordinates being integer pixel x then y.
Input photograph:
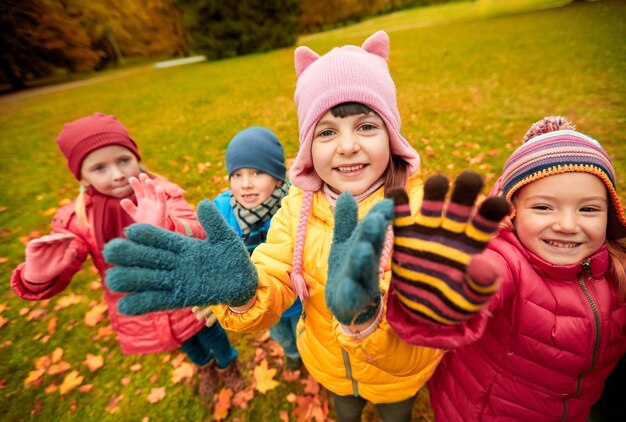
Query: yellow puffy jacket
{"type": "Point", "coordinates": [380, 368]}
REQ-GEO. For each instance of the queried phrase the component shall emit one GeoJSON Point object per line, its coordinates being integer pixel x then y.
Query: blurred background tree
{"type": "Point", "coordinates": [225, 29]}
{"type": "Point", "coordinates": [43, 38]}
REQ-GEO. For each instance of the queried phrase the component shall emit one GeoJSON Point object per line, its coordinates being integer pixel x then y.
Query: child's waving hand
{"type": "Point", "coordinates": [438, 271]}
{"type": "Point", "coordinates": [165, 270]}
{"type": "Point", "coordinates": [151, 202]}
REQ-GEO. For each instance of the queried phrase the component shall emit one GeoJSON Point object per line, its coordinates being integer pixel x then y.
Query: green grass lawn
{"type": "Point", "coordinates": [471, 78]}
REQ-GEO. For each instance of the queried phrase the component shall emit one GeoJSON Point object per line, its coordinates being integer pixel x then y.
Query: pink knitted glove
{"type": "Point", "coordinates": [151, 202]}
{"type": "Point", "coordinates": [47, 257]}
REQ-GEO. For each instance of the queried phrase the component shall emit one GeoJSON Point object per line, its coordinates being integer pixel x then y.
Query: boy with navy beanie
{"type": "Point", "coordinates": [255, 161]}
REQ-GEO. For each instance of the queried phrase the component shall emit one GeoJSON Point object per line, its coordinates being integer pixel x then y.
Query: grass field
{"type": "Point", "coordinates": [471, 78]}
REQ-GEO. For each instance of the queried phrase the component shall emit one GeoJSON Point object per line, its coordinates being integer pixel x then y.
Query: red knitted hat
{"type": "Point", "coordinates": [85, 135]}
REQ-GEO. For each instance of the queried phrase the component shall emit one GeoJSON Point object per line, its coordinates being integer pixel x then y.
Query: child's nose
{"type": "Point", "coordinates": [117, 173]}
{"type": "Point", "coordinates": [348, 144]}
{"type": "Point", "coordinates": [566, 222]}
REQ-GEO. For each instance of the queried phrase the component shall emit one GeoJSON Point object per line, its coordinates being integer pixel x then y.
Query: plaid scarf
{"type": "Point", "coordinates": [252, 221]}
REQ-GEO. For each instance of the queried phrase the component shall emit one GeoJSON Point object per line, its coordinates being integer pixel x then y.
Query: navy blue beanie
{"type": "Point", "coordinates": [256, 147]}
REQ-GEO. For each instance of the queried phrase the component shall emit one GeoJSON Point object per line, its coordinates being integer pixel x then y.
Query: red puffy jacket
{"type": "Point", "coordinates": [540, 352]}
{"type": "Point", "coordinates": [150, 333]}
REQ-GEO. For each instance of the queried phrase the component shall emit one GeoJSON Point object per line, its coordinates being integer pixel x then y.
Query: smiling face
{"type": "Point", "coordinates": [108, 169]}
{"type": "Point", "coordinates": [562, 218]}
{"type": "Point", "coordinates": [251, 187]}
{"type": "Point", "coordinates": [351, 153]}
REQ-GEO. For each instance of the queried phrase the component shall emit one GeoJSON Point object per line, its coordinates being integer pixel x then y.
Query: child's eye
{"type": "Point", "coordinates": [540, 207]}
{"type": "Point", "coordinates": [366, 127]}
{"type": "Point", "coordinates": [125, 160]}
{"type": "Point", "coordinates": [258, 173]}
{"type": "Point", "coordinates": [589, 209]}
{"type": "Point", "coordinates": [99, 168]}
{"type": "Point", "coordinates": [324, 133]}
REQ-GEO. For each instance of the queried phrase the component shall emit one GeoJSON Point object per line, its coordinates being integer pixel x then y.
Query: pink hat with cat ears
{"type": "Point", "coordinates": [345, 74]}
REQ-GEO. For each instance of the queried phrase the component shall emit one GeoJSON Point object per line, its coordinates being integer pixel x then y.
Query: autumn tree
{"type": "Point", "coordinates": [225, 29]}
{"type": "Point", "coordinates": [317, 15]}
{"type": "Point", "coordinates": [37, 36]}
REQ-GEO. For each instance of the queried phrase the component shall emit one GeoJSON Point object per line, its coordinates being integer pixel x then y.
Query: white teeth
{"type": "Point", "coordinates": [561, 245]}
{"type": "Point", "coordinates": [351, 168]}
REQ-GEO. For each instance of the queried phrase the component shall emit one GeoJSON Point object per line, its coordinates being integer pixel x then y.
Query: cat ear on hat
{"type": "Point", "coordinates": [304, 56]}
{"type": "Point", "coordinates": [377, 44]}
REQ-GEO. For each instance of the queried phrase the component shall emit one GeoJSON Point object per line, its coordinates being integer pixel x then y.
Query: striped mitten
{"type": "Point", "coordinates": [438, 272]}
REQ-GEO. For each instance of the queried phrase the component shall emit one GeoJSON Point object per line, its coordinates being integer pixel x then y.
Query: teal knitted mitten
{"type": "Point", "coordinates": [165, 270]}
{"type": "Point", "coordinates": [352, 288]}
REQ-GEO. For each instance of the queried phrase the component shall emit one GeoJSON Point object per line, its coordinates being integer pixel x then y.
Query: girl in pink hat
{"type": "Point", "coordinates": [116, 192]}
{"type": "Point", "coordinates": [351, 153]}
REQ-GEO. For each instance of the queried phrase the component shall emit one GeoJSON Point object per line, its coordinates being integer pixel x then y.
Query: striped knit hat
{"type": "Point", "coordinates": [552, 146]}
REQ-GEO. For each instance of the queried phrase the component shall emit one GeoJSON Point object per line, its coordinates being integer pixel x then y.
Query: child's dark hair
{"type": "Point", "coordinates": [397, 169]}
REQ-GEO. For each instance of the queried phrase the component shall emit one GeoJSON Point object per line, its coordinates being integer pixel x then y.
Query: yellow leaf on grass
{"type": "Point", "coordinates": [86, 388]}
{"type": "Point", "coordinates": [95, 315]}
{"type": "Point", "coordinates": [58, 368]}
{"type": "Point", "coordinates": [3, 321]}
{"type": "Point", "coordinates": [223, 404]}
{"type": "Point", "coordinates": [36, 314]}
{"type": "Point", "coordinates": [178, 360]}
{"type": "Point", "coordinates": [263, 377]}
{"type": "Point", "coordinates": [43, 362]}
{"type": "Point", "coordinates": [52, 325]}
{"type": "Point", "coordinates": [68, 300]}
{"type": "Point", "coordinates": [156, 394]}
{"type": "Point", "coordinates": [93, 362]}
{"type": "Point", "coordinates": [185, 370]}
{"type": "Point", "coordinates": [34, 376]}
{"type": "Point", "coordinates": [135, 368]}
{"type": "Point", "coordinates": [57, 354]}
{"type": "Point", "coordinates": [51, 388]}
{"type": "Point", "coordinates": [50, 211]}
{"type": "Point", "coordinates": [71, 381]}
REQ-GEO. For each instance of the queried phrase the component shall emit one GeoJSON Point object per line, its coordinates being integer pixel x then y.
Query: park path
{"type": "Point", "coordinates": [33, 92]}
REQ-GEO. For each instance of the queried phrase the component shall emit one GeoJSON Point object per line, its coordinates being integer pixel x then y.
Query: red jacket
{"type": "Point", "coordinates": [540, 352]}
{"type": "Point", "coordinates": [150, 333]}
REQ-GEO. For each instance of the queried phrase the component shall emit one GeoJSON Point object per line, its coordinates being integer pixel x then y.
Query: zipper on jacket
{"type": "Point", "coordinates": [586, 275]}
{"type": "Point", "coordinates": [346, 362]}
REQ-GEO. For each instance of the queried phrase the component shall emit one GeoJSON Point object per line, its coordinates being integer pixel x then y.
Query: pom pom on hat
{"type": "Point", "coordinates": [256, 147]}
{"type": "Point", "coordinates": [548, 124]}
{"type": "Point", "coordinates": [343, 75]}
{"type": "Point", "coordinates": [552, 146]}
{"type": "Point", "coordinates": [83, 136]}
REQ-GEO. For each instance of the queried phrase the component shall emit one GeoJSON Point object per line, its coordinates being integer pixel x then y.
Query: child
{"type": "Point", "coordinates": [255, 161]}
{"type": "Point", "coordinates": [547, 340]}
{"type": "Point", "coordinates": [350, 143]}
{"type": "Point", "coordinates": [115, 192]}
